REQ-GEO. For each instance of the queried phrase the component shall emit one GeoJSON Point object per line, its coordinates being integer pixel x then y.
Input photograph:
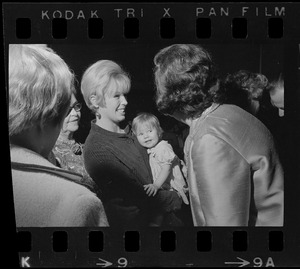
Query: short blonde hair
{"type": "Point", "coordinates": [40, 87]}
{"type": "Point", "coordinates": [276, 91]}
{"type": "Point", "coordinates": [101, 78]}
{"type": "Point", "coordinates": [146, 118]}
{"type": "Point", "coordinates": [277, 85]}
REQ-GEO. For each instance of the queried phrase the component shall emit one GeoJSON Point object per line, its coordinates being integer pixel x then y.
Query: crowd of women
{"type": "Point", "coordinates": [128, 175]}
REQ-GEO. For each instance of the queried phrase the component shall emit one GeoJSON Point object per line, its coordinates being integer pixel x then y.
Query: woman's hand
{"type": "Point", "coordinates": [150, 189]}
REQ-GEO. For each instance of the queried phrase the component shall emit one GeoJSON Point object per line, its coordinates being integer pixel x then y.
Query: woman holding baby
{"type": "Point", "coordinates": [114, 158]}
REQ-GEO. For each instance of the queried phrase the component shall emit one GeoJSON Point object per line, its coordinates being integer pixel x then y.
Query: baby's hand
{"type": "Point", "coordinates": [150, 189]}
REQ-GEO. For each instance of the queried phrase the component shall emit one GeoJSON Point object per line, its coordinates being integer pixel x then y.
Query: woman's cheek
{"type": "Point", "coordinates": [66, 122]}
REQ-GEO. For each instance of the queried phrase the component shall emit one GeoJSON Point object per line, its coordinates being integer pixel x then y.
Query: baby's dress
{"type": "Point", "coordinates": [163, 154]}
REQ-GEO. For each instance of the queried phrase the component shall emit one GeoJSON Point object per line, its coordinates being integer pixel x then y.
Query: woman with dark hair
{"type": "Point", "coordinates": [234, 174]}
{"type": "Point", "coordinates": [245, 89]}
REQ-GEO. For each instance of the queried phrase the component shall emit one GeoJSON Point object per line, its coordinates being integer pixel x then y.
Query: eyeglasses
{"type": "Point", "coordinates": [77, 106]}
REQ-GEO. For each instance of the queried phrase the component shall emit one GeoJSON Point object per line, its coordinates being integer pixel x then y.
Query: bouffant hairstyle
{"type": "Point", "coordinates": [101, 78]}
{"type": "Point", "coordinates": [186, 80]}
{"type": "Point", "coordinates": [40, 87]}
{"type": "Point", "coordinates": [243, 87]}
{"type": "Point", "coordinates": [146, 119]}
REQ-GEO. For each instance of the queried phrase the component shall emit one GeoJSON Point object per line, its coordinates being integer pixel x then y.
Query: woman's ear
{"type": "Point", "coordinates": [93, 100]}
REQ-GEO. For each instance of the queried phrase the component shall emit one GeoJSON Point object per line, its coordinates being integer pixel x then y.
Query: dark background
{"type": "Point", "coordinates": [137, 60]}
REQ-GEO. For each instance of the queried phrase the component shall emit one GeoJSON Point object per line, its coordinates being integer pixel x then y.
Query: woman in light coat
{"type": "Point", "coordinates": [234, 174]}
{"type": "Point", "coordinates": [40, 89]}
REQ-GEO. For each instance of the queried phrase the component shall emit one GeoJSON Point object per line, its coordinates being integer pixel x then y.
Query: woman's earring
{"type": "Point", "coordinates": [98, 115]}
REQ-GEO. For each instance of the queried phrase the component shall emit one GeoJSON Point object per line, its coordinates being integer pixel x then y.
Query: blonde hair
{"type": "Point", "coordinates": [276, 91]}
{"type": "Point", "coordinates": [101, 78]}
{"type": "Point", "coordinates": [40, 87]}
{"type": "Point", "coordinates": [146, 118]}
{"type": "Point", "coordinates": [277, 85]}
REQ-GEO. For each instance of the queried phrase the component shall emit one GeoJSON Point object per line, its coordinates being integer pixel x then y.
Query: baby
{"type": "Point", "coordinates": [164, 163]}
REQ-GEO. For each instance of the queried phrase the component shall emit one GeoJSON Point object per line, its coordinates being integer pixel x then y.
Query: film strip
{"type": "Point", "coordinates": [261, 37]}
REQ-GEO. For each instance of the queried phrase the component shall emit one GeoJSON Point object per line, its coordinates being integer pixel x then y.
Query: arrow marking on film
{"type": "Point", "coordinates": [242, 262]}
{"type": "Point", "coordinates": [103, 263]}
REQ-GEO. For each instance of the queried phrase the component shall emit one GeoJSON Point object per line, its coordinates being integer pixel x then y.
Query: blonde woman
{"type": "Point", "coordinates": [113, 157]}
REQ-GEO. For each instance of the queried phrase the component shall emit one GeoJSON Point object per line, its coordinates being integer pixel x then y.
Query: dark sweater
{"type": "Point", "coordinates": [120, 167]}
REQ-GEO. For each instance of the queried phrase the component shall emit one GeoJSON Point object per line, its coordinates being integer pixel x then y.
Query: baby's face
{"type": "Point", "coordinates": [147, 136]}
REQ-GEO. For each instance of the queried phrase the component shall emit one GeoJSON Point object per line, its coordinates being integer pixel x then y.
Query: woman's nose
{"type": "Point", "coordinates": [124, 100]}
{"type": "Point", "coordinates": [75, 113]}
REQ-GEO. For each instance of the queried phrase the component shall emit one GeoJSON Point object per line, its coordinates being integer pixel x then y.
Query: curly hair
{"type": "Point", "coordinates": [186, 80]}
{"type": "Point", "coordinates": [242, 88]}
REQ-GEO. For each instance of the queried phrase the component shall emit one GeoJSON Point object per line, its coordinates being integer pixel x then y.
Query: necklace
{"type": "Point", "coordinates": [71, 145]}
{"type": "Point", "coordinates": [66, 141]}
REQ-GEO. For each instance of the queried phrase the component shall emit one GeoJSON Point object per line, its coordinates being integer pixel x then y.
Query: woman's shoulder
{"type": "Point", "coordinates": [101, 155]}
{"type": "Point", "coordinates": [99, 140]}
{"type": "Point", "coordinates": [62, 197]}
{"type": "Point", "coordinates": [48, 179]}
{"type": "Point", "coordinates": [96, 143]}
{"type": "Point", "coordinates": [73, 193]}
